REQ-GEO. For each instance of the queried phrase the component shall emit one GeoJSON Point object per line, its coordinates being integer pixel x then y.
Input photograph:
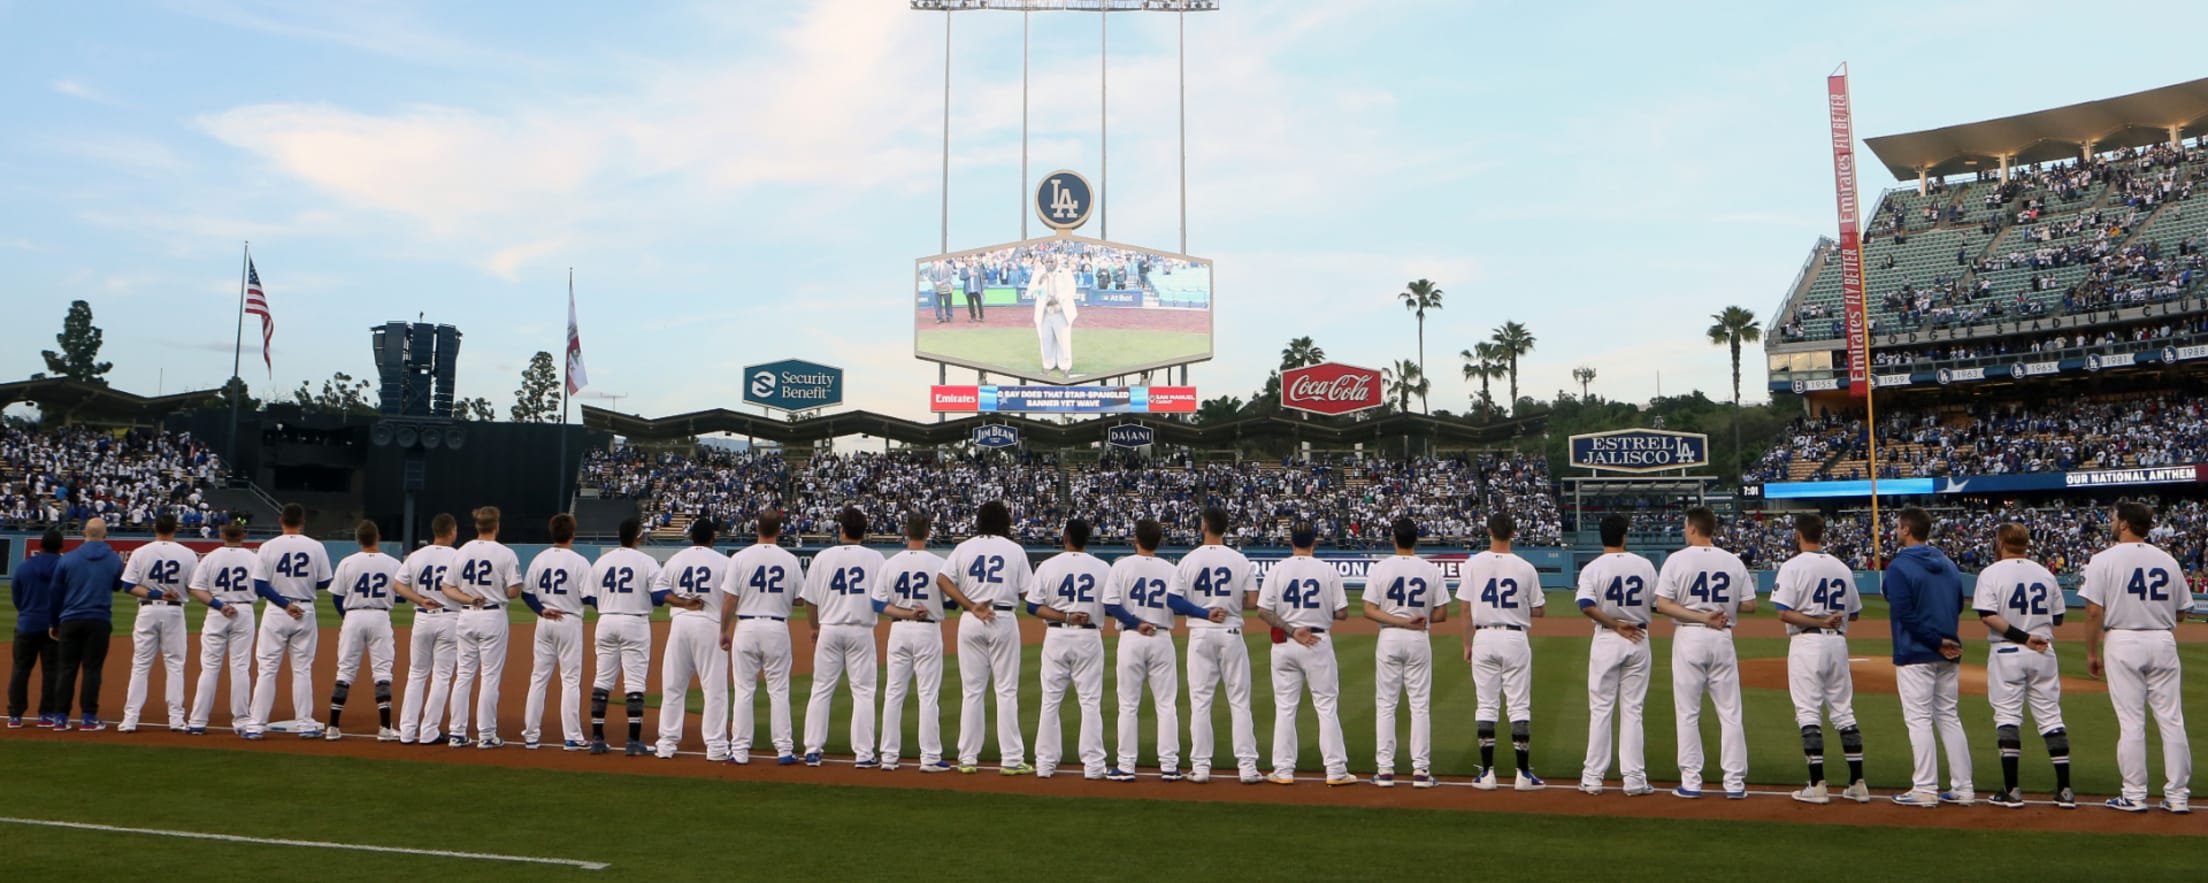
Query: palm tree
{"type": "Point", "coordinates": [1403, 380]}
{"type": "Point", "coordinates": [1512, 340]}
{"type": "Point", "coordinates": [1483, 363]}
{"type": "Point", "coordinates": [1219, 410]}
{"type": "Point", "coordinates": [1419, 297]}
{"type": "Point", "coordinates": [1585, 374]}
{"type": "Point", "coordinates": [1733, 327]}
{"type": "Point", "coordinates": [1301, 353]}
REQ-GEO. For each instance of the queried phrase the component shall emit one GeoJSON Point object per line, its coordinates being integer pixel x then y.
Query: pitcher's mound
{"type": "Point", "coordinates": [1875, 674]}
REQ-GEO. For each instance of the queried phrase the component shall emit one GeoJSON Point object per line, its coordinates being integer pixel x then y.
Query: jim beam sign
{"type": "Point", "coordinates": [1640, 450]}
{"type": "Point", "coordinates": [1330, 388]}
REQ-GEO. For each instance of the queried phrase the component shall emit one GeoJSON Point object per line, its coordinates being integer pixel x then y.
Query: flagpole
{"type": "Point", "coordinates": [567, 367]}
{"type": "Point", "coordinates": [230, 456]}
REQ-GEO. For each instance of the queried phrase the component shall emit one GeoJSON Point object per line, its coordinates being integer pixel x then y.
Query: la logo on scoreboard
{"type": "Point", "coordinates": [1063, 200]}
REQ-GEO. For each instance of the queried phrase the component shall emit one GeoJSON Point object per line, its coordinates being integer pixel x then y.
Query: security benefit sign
{"type": "Point", "coordinates": [793, 385]}
{"type": "Point", "coordinates": [1640, 450]}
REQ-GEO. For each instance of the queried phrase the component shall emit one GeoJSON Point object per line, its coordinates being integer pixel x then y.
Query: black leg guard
{"type": "Point", "coordinates": [1813, 741]}
{"type": "Point", "coordinates": [598, 699]}
{"type": "Point", "coordinates": [383, 694]}
{"type": "Point", "coordinates": [1487, 744]}
{"type": "Point", "coordinates": [1521, 741]}
{"type": "Point", "coordinates": [636, 706]}
{"type": "Point", "coordinates": [2058, 745]}
{"type": "Point", "coordinates": [338, 695]}
{"type": "Point", "coordinates": [1851, 745]}
{"type": "Point", "coordinates": [2009, 739]}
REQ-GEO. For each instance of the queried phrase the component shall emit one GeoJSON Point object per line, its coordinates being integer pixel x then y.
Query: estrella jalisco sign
{"type": "Point", "coordinates": [1640, 450]}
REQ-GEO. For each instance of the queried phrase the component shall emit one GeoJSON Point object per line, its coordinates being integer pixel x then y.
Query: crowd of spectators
{"type": "Point", "coordinates": [2060, 345]}
{"type": "Point", "coordinates": [1997, 439]}
{"type": "Point", "coordinates": [2064, 536]}
{"type": "Point", "coordinates": [63, 477]}
{"type": "Point", "coordinates": [727, 486]}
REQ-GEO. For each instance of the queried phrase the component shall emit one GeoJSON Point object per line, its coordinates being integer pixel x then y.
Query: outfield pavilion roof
{"type": "Point", "coordinates": [1035, 432]}
{"type": "Point", "coordinates": [2134, 120]}
{"type": "Point", "coordinates": [73, 401]}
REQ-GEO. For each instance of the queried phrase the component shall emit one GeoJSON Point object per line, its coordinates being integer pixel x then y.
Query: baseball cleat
{"type": "Point", "coordinates": [1641, 790]}
{"type": "Point", "coordinates": [1924, 799]}
{"type": "Point", "coordinates": [2066, 799]}
{"type": "Point", "coordinates": [1199, 775]}
{"type": "Point", "coordinates": [636, 749]}
{"type": "Point", "coordinates": [968, 769]}
{"type": "Point", "coordinates": [1741, 794]}
{"type": "Point", "coordinates": [887, 766]}
{"type": "Point", "coordinates": [2125, 804]}
{"type": "Point", "coordinates": [15, 723]}
{"type": "Point", "coordinates": [386, 734]}
{"type": "Point", "coordinates": [1119, 775]}
{"type": "Point", "coordinates": [1018, 768]}
{"type": "Point", "coordinates": [1253, 777]}
{"type": "Point", "coordinates": [531, 744]}
{"type": "Point", "coordinates": [91, 725]}
{"type": "Point", "coordinates": [1281, 778]}
{"type": "Point", "coordinates": [1959, 798]}
{"type": "Point", "coordinates": [1815, 793]}
{"type": "Point", "coordinates": [865, 765]}
{"type": "Point", "coordinates": [812, 758]}
{"type": "Point", "coordinates": [1383, 780]}
{"type": "Point", "coordinates": [333, 734]}
{"type": "Point", "coordinates": [785, 760]}
{"type": "Point", "coordinates": [1339, 781]}
{"type": "Point", "coordinates": [254, 736]}
{"type": "Point", "coordinates": [739, 758]}
{"type": "Point", "coordinates": [936, 767]}
{"type": "Point", "coordinates": [598, 746]}
{"type": "Point", "coordinates": [1423, 780]}
{"type": "Point", "coordinates": [2176, 807]}
{"type": "Point", "coordinates": [1527, 781]}
{"type": "Point", "coordinates": [2006, 798]}
{"type": "Point", "coordinates": [1858, 792]}
{"type": "Point", "coordinates": [310, 733]}
{"type": "Point", "coordinates": [1685, 793]}
{"type": "Point", "coordinates": [178, 728]}
{"type": "Point", "coordinates": [1590, 787]}
{"type": "Point", "coordinates": [126, 729]}
{"type": "Point", "coordinates": [61, 725]}
{"type": "Point", "coordinates": [45, 722]}
{"type": "Point", "coordinates": [1485, 781]}
{"type": "Point", "coordinates": [1169, 775]}
{"type": "Point", "coordinates": [195, 731]}
{"type": "Point", "coordinates": [574, 745]}
{"type": "Point", "coordinates": [488, 743]}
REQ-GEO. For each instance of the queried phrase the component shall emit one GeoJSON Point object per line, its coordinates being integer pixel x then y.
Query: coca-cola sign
{"type": "Point", "coordinates": [1330, 388]}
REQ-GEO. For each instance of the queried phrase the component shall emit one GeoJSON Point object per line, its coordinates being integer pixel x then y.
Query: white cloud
{"type": "Point", "coordinates": [75, 89]}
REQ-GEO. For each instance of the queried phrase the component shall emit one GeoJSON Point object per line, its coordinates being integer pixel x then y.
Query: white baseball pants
{"type": "Point", "coordinates": [1617, 687]}
{"type": "Point", "coordinates": [1702, 660]}
{"type": "Point", "coordinates": [2142, 669]}
{"type": "Point", "coordinates": [843, 653]}
{"type": "Point", "coordinates": [989, 656]}
{"type": "Point", "coordinates": [1404, 664]}
{"type": "Point", "coordinates": [1818, 679]}
{"type": "Point", "coordinates": [282, 636]}
{"type": "Point", "coordinates": [1502, 674]}
{"type": "Point", "coordinates": [226, 639]}
{"type": "Point", "coordinates": [2018, 676]}
{"type": "Point", "coordinates": [1217, 656]}
{"type": "Point", "coordinates": [482, 662]}
{"type": "Point", "coordinates": [1149, 660]}
{"type": "Point", "coordinates": [159, 631]}
{"type": "Point", "coordinates": [693, 651]}
{"type": "Point", "coordinates": [1296, 667]}
{"type": "Point", "coordinates": [624, 644]}
{"type": "Point", "coordinates": [432, 652]}
{"type": "Point", "coordinates": [915, 659]}
{"type": "Point", "coordinates": [1928, 696]}
{"type": "Point", "coordinates": [1072, 656]}
{"type": "Point", "coordinates": [761, 647]}
{"type": "Point", "coordinates": [557, 643]}
{"type": "Point", "coordinates": [365, 632]}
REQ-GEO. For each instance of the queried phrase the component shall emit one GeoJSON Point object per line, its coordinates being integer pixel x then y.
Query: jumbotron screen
{"type": "Point", "coordinates": [1062, 309]}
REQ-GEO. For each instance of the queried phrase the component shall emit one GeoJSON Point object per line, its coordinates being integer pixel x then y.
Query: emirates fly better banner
{"type": "Point", "coordinates": [1851, 241]}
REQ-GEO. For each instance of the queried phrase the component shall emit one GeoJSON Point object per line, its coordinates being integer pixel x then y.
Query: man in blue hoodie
{"type": "Point", "coordinates": [86, 581]}
{"type": "Point", "coordinates": [34, 596]}
{"type": "Point", "coordinates": [1924, 596]}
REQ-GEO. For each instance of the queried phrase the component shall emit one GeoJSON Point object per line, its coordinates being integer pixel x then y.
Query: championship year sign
{"type": "Point", "coordinates": [1640, 450]}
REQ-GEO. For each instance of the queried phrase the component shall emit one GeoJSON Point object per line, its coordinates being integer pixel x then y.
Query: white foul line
{"type": "Point", "coordinates": [312, 844]}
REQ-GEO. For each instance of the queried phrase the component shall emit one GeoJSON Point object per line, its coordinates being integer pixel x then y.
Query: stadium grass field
{"type": "Point", "coordinates": [1097, 351]}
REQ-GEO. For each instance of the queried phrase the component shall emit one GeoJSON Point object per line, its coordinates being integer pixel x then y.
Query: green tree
{"type": "Point", "coordinates": [1483, 362]}
{"type": "Point", "coordinates": [1301, 353]}
{"type": "Point", "coordinates": [477, 409]}
{"type": "Point", "coordinates": [80, 347]}
{"type": "Point", "coordinates": [236, 388]}
{"type": "Point", "coordinates": [1513, 342]}
{"type": "Point", "coordinates": [1585, 374]}
{"type": "Point", "coordinates": [1731, 328]}
{"type": "Point", "coordinates": [1219, 410]}
{"type": "Point", "coordinates": [341, 394]}
{"type": "Point", "coordinates": [1418, 297]}
{"type": "Point", "coordinates": [538, 399]}
{"type": "Point", "coordinates": [1403, 380]}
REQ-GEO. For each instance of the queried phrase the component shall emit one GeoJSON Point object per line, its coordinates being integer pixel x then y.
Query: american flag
{"type": "Point", "coordinates": [256, 304]}
{"type": "Point", "coordinates": [576, 377]}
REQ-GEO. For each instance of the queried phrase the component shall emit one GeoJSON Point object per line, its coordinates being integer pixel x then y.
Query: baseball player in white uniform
{"type": "Point", "coordinates": [1068, 595]}
{"type": "Point", "coordinates": [987, 575]}
{"type": "Point", "coordinates": [1616, 591]}
{"type": "Point", "coordinates": [2020, 603]}
{"type": "Point", "coordinates": [224, 582]}
{"type": "Point", "coordinates": [554, 588]}
{"type": "Point", "coordinates": [1212, 587]}
{"type": "Point", "coordinates": [484, 578]}
{"type": "Point", "coordinates": [1502, 596]}
{"type": "Point", "coordinates": [621, 587]}
{"type": "Point", "coordinates": [1301, 597]}
{"type": "Point", "coordinates": [1705, 589]}
{"type": "Point", "coordinates": [906, 594]}
{"type": "Point", "coordinates": [361, 593]}
{"type": "Point", "coordinates": [295, 568]}
{"type": "Point", "coordinates": [839, 605]}
{"type": "Point", "coordinates": [1055, 293]}
{"type": "Point", "coordinates": [1816, 598]}
{"type": "Point", "coordinates": [762, 583]}
{"type": "Point", "coordinates": [159, 573]}
{"type": "Point", "coordinates": [433, 645]}
{"type": "Point", "coordinates": [1406, 595]}
{"type": "Point", "coordinates": [692, 579]}
{"type": "Point", "coordinates": [1135, 594]}
{"type": "Point", "coordinates": [2135, 594]}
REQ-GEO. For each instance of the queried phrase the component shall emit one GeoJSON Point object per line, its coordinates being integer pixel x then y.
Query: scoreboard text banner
{"type": "Point", "coordinates": [1063, 399]}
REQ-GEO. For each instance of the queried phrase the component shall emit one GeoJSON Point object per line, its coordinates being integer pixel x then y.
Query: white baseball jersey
{"type": "Point", "coordinates": [557, 579]}
{"type": "Point", "coordinates": [295, 566]}
{"type": "Point", "coordinates": [1502, 588]}
{"type": "Point", "coordinates": [621, 582]}
{"type": "Point", "coordinates": [841, 588]}
{"type": "Point", "coordinates": [363, 581]}
{"type": "Point", "coordinates": [765, 579]}
{"type": "Point", "coordinates": [1072, 582]}
{"type": "Point", "coordinates": [1705, 579]}
{"type": "Point", "coordinates": [484, 570]}
{"type": "Point", "coordinates": [1620, 584]}
{"type": "Point", "coordinates": [1818, 585]}
{"type": "Point", "coordinates": [228, 574]}
{"type": "Point", "coordinates": [990, 570]}
{"type": "Point", "coordinates": [908, 580]}
{"type": "Point", "coordinates": [1140, 583]}
{"type": "Point", "coordinates": [2022, 592]}
{"type": "Point", "coordinates": [695, 572]}
{"type": "Point", "coordinates": [1214, 577]}
{"type": "Point", "coordinates": [1303, 591]}
{"type": "Point", "coordinates": [2138, 587]}
{"type": "Point", "coordinates": [161, 565]}
{"type": "Point", "coordinates": [424, 574]}
{"type": "Point", "coordinates": [1406, 585]}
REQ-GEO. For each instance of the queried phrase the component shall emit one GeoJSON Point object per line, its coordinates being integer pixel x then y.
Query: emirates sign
{"type": "Point", "coordinates": [1330, 388]}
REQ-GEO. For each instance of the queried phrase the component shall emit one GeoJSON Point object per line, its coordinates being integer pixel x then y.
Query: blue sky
{"type": "Point", "coordinates": [737, 183]}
